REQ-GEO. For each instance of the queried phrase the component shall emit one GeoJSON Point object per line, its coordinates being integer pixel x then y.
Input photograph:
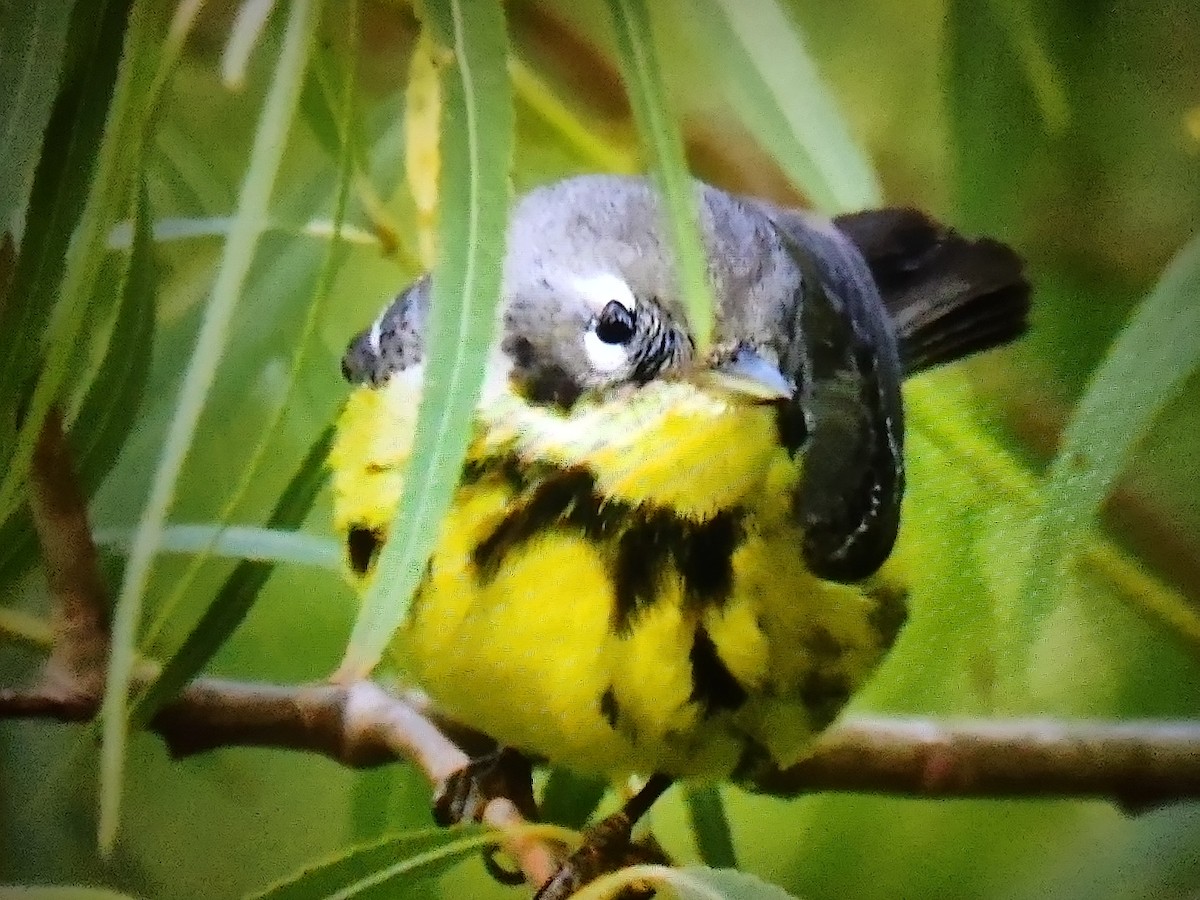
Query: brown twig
{"type": "Point", "coordinates": [1135, 763]}
{"type": "Point", "coordinates": [72, 566]}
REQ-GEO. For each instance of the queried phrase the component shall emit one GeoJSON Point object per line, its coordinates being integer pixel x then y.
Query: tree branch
{"type": "Point", "coordinates": [80, 620]}
{"type": "Point", "coordinates": [1135, 763]}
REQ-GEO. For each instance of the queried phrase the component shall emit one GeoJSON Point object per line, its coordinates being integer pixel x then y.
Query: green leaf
{"type": "Point", "coordinates": [242, 542]}
{"type": "Point", "coordinates": [710, 825]}
{"type": "Point", "coordinates": [251, 214]}
{"type": "Point", "coordinates": [1045, 79]}
{"type": "Point", "coordinates": [1149, 362]}
{"type": "Point", "coordinates": [31, 49]}
{"type": "Point", "coordinates": [570, 799]}
{"type": "Point", "coordinates": [59, 892]}
{"type": "Point", "coordinates": [244, 36]}
{"type": "Point", "coordinates": [315, 310]}
{"type": "Point", "coordinates": [379, 868]}
{"type": "Point", "coordinates": [107, 412]}
{"type": "Point", "coordinates": [775, 87]}
{"type": "Point", "coordinates": [331, 79]}
{"type": "Point", "coordinates": [938, 405]}
{"type": "Point", "coordinates": [701, 883]}
{"type": "Point", "coordinates": [688, 883]}
{"type": "Point", "coordinates": [638, 58]}
{"type": "Point", "coordinates": [476, 151]}
{"type": "Point", "coordinates": [237, 595]}
{"type": "Point", "coordinates": [59, 196]}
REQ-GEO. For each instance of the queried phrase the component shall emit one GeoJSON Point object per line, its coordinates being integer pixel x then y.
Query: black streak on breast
{"type": "Point", "coordinates": [713, 686]}
{"type": "Point", "coordinates": [609, 708]}
{"type": "Point", "coordinates": [639, 543]}
{"type": "Point", "coordinates": [362, 546]}
{"type": "Point", "coordinates": [547, 505]}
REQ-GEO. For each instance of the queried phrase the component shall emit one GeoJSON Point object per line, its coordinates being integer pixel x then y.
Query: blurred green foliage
{"type": "Point", "coordinates": [1070, 130]}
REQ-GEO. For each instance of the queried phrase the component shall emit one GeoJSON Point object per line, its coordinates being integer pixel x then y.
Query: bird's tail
{"type": "Point", "coordinates": [949, 296]}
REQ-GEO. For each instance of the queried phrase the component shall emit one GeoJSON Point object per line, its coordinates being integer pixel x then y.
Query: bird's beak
{"type": "Point", "coordinates": [748, 374]}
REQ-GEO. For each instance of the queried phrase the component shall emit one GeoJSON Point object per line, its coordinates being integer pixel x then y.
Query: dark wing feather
{"type": "Point", "coordinates": [948, 295]}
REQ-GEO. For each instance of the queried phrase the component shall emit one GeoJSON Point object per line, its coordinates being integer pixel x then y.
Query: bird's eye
{"type": "Point", "coordinates": [615, 323]}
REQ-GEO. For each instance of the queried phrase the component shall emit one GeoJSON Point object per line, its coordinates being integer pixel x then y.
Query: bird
{"type": "Point", "coordinates": [663, 558]}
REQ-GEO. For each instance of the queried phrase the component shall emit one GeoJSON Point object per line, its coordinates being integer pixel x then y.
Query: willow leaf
{"type": "Point", "coordinates": [251, 214]}
{"type": "Point", "coordinates": [379, 865]}
{"type": "Point", "coordinates": [31, 48]}
{"type": "Point", "coordinates": [75, 146]}
{"type": "Point", "coordinates": [1151, 359]}
{"type": "Point", "coordinates": [710, 826]}
{"type": "Point", "coordinates": [687, 883]}
{"type": "Point", "coordinates": [638, 58]}
{"type": "Point", "coordinates": [775, 87]}
{"type": "Point", "coordinates": [476, 151]}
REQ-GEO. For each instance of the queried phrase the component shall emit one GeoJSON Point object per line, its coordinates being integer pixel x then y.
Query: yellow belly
{"type": "Point", "coordinates": [552, 636]}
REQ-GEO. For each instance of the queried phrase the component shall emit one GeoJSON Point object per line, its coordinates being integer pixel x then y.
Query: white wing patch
{"type": "Point", "coordinates": [374, 337]}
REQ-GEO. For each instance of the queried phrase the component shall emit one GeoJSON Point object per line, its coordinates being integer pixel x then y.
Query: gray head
{"type": "Point", "coordinates": [591, 299]}
{"type": "Point", "coordinates": [591, 302]}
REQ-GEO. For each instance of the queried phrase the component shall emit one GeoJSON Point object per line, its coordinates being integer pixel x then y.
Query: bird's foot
{"type": "Point", "coordinates": [608, 846]}
{"type": "Point", "coordinates": [465, 794]}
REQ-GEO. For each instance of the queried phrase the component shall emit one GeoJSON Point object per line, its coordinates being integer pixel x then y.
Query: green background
{"type": "Point", "coordinates": [1070, 130]}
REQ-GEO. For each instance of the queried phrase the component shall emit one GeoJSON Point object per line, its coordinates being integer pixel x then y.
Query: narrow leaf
{"type": "Point", "coordinates": [316, 307]}
{"type": "Point", "coordinates": [31, 50]}
{"type": "Point", "coordinates": [593, 148]}
{"type": "Point", "coordinates": [688, 883]}
{"type": "Point", "coordinates": [237, 595]}
{"type": "Point", "coordinates": [659, 133]}
{"type": "Point", "coordinates": [380, 865]}
{"type": "Point", "coordinates": [59, 892]}
{"type": "Point", "coordinates": [700, 883]}
{"type": "Point", "coordinates": [59, 196]}
{"type": "Point", "coordinates": [710, 825]}
{"type": "Point", "coordinates": [774, 85]}
{"type": "Point", "coordinates": [1044, 77]}
{"type": "Point", "coordinates": [422, 113]}
{"type": "Point", "coordinates": [244, 36]}
{"type": "Point", "coordinates": [109, 409]}
{"type": "Point", "coordinates": [1151, 359]}
{"type": "Point", "coordinates": [107, 412]}
{"type": "Point", "coordinates": [476, 146]}
{"type": "Point", "coordinates": [251, 213]}
{"type": "Point", "coordinates": [23, 628]}
{"type": "Point", "coordinates": [241, 542]}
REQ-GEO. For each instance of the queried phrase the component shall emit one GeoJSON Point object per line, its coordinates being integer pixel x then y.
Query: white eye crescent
{"type": "Point", "coordinates": [598, 289]}
{"type": "Point", "coordinates": [604, 357]}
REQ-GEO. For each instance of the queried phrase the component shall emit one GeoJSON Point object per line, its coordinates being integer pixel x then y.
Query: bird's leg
{"type": "Point", "coordinates": [463, 795]}
{"type": "Point", "coordinates": [608, 846]}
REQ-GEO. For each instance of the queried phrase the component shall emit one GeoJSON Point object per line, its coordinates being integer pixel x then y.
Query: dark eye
{"type": "Point", "coordinates": [615, 323]}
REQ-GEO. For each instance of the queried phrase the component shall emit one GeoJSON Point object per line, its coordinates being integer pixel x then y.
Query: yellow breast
{"type": "Point", "coordinates": [619, 589]}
